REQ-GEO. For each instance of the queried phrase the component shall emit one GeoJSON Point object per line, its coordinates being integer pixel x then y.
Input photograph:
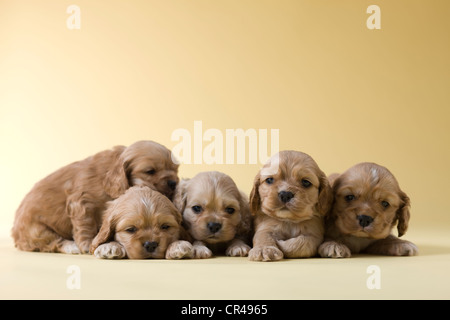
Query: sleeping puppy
{"type": "Point", "coordinates": [141, 224]}
{"type": "Point", "coordinates": [215, 214]}
{"type": "Point", "coordinates": [289, 199]}
{"type": "Point", "coordinates": [63, 212]}
{"type": "Point", "coordinates": [368, 204]}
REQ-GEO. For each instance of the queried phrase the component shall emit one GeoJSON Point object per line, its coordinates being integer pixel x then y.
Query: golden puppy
{"type": "Point", "coordinates": [141, 224]}
{"type": "Point", "coordinates": [289, 199]}
{"type": "Point", "coordinates": [368, 204]}
{"type": "Point", "coordinates": [63, 212]}
{"type": "Point", "coordinates": [215, 214]}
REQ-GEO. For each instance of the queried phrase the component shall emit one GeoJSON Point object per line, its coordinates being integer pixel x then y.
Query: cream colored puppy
{"type": "Point", "coordinates": [368, 204]}
{"type": "Point", "coordinates": [289, 199]}
{"type": "Point", "coordinates": [215, 214]}
{"type": "Point", "coordinates": [141, 224]}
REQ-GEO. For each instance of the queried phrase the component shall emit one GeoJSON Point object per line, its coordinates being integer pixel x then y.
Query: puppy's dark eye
{"type": "Point", "coordinates": [385, 204]}
{"type": "Point", "coordinates": [349, 197]}
{"type": "Point", "coordinates": [150, 172]}
{"type": "Point", "coordinates": [306, 183]}
{"type": "Point", "coordinates": [197, 209]}
{"type": "Point", "coordinates": [269, 180]}
{"type": "Point", "coordinates": [229, 210]}
{"type": "Point", "coordinates": [165, 226]}
{"type": "Point", "coordinates": [131, 229]}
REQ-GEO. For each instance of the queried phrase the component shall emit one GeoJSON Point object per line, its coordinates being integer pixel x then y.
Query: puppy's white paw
{"type": "Point", "coordinates": [70, 247]}
{"type": "Point", "coordinates": [333, 249]}
{"type": "Point", "coordinates": [269, 253]}
{"type": "Point", "coordinates": [404, 248]}
{"type": "Point", "coordinates": [238, 250]}
{"type": "Point", "coordinates": [200, 251]}
{"type": "Point", "coordinates": [110, 250]}
{"type": "Point", "coordinates": [179, 250]}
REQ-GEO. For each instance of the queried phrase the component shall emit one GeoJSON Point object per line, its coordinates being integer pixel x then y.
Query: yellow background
{"type": "Point", "coordinates": [312, 69]}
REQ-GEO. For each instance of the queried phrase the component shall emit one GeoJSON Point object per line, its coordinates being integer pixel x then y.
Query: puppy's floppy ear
{"type": "Point", "coordinates": [179, 198]}
{"type": "Point", "coordinates": [106, 232]}
{"type": "Point", "coordinates": [244, 204]}
{"type": "Point", "coordinates": [116, 179]}
{"type": "Point", "coordinates": [245, 227]}
{"type": "Point", "coordinates": [177, 215]}
{"type": "Point", "coordinates": [255, 199]}
{"type": "Point", "coordinates": [325, 194]}
{"type": "Point", "coordinates": [403, 214]}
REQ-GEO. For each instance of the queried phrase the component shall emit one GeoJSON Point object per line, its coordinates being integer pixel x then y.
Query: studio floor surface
{"type": "Point", "coordinates": [25, 275]}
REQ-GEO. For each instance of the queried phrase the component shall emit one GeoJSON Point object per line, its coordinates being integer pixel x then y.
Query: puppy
{"type": "Point", "coordinates": [141, 224]}
{"type": "Point", "coordinates": [368, 203]}
{"type": "Point", "coordinates": [215, 214]}
{"type": "Point", "coordinates": [289, 199]}
{"type": "Point", "coordinates": [63, 212]}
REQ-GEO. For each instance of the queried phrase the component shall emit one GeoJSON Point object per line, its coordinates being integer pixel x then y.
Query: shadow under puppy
{"type": "Point", "coordinates": [368, 203]}
{"type": "Point", "coordinates": [141, 224]}
{"type": "Point", "coordinates": [215, 214]}
{"type": "Point", "coordinates": [63, 212]}
{"type": "Point", "coordinates": [289, 199]}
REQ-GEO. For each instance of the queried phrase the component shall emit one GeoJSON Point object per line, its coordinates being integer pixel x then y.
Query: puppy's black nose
{"type": "Point", "coordinates": [214, 226]}
{"type": "Point", "coordinates": [172, 184]}
{"type": "Point", "coordinates": [150, 246]}
{"type": "Point", "coordinates": [285, 196]}
{"type": "Point", "coordinates": [364, 220]}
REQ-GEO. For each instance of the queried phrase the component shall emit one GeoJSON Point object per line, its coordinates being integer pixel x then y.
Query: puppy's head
{"type": "Point", "coordinates": [369, 202]}
{"type": "Point", "coordinates": [295, 191]}
{"type": "Point", "coordinates": [212, 206]}
{"type": "Point", "coordinates": [144, 163]}
{"type": "Point", "coordinates": [144, 221]}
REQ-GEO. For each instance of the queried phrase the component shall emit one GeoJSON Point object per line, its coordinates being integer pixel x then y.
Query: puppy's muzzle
{"type": "Point", "coordinates": [150, 246]}
{"type": "Point", "coordinates": [364, 220]}
{"type": "Point", "coordinates": [214, 227]}
{"type": "Point", "coordinates": [285, 196]}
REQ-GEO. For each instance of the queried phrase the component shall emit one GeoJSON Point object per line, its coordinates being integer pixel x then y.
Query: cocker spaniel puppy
{"type": "Point", "coordinates": [215, 214]}
{"type": "Point", "coordinates": [289, 199]}
{"type": "Point", "coordinates": [63, 212]}
{"type": "Point", "coordinates": [368, 203]}
{"type": "Point", "coordinates": [141, 224]}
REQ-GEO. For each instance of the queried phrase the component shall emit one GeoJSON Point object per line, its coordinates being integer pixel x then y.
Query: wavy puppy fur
{"type": "Point", "coordinates": [289, 199]}
{"type": "Point", "coordinates": [63, 212]}
{"type": "Point", "coordinates": [368, 203]}
{"type": "Point", "coordinates": [215, 213]}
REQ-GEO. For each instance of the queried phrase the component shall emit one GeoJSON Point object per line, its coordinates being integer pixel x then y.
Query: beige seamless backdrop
{"type": "Point", "coordinates": [312, 69]}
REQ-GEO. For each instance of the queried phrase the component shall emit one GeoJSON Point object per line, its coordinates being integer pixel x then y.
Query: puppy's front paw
{"type": "Point", "coordinates": [179, 250]}
{"type": "Point", "coordinates": [269, 253]}
{"type": "Point", "coordinates": [333, 249]}
{"type": "Point", "coordinates": [404, 248]}
{"type": "Point", "coordinates": [110, 250]}
{"type": "Point", "coordinates": [238, 250]}
{"type": "Point", "coordinates": [200, 251]}
{"type": "Point", "coordinates": [84, 246]}
{"type": "Point", "coordinates": [70, 247]}
{"type": "Point", "coordinates": [286, 245]}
